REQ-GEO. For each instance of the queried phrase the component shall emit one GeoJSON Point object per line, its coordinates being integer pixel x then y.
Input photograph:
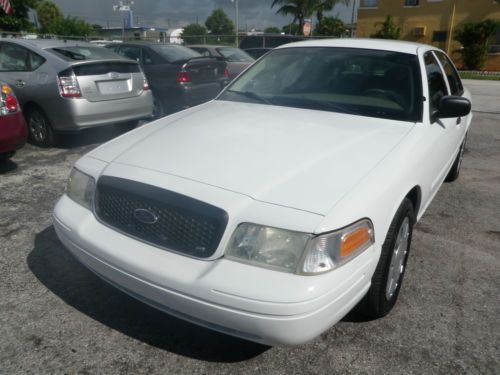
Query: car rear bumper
{"type": "Point", "coordinates": [289, 310]}
{"type": "Point", "coordinates": [79, 113]}
{"type": "Point", "coordinates": [188, 95]}
{"type": "Point", "coordinates": [13, 132]}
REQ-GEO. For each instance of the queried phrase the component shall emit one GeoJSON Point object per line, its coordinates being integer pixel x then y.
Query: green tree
{"type": "Point", "coordinates": [219, 23]}
{"type": "Point", "coordinates": [194, 34]}
{"type": "Point", "coordinates": [48, 14]}
{"type": "Point", "coordinates": [475, 38]}
{"type": "Point", "coordinates": [387, 29]}
{"type": "Point", "coordinates": [72, 26]}
{"type": "Point", "coordinates": [291, 29]}
{"type": "Point", "coordinates": [272, 30]}
{"type": "Point", "coordinates": [299, 9]}
{"type": "Point", "coordinates": [330, 26]}
{"type": "Point", "coordinates": [19, 19]}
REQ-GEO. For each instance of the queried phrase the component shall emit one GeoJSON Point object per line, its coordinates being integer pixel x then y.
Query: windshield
{"type": "Point", "coordinates": [83, 53]}
{"type": "Point", "coordinates": [363, 82]}
{"type": "Point", "coordinates": [232, 54]}
{"type": "Point", "coordinates": [175, 53]}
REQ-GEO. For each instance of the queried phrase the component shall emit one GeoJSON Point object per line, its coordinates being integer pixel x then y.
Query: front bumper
{"type": "Point", "coordinates": [253, 303]}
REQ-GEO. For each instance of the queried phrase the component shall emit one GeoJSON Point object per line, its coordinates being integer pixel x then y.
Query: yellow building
{"type": "Point", "coordinates": [431, 21]}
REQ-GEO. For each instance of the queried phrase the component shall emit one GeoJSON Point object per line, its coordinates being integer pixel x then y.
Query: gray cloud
{"type": "Point", "coordinates": [176, 13]}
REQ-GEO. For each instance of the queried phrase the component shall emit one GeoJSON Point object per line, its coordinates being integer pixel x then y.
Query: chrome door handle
{"type": "Point", "coordinates": [20, 83]}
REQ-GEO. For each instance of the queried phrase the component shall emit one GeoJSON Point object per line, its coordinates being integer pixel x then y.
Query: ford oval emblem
{"type": "Point", "coordinates": [145, 216]}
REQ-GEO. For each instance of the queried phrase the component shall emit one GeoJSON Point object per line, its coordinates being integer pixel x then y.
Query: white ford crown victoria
{"type": "Point", "coordinates": [271, 211]}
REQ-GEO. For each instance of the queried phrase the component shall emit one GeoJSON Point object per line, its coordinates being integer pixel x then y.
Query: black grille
{"type": "Point", "coordinates": [174, 221]}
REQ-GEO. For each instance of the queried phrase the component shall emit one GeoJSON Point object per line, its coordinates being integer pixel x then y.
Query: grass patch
{"type": "Point", "coordinates": [490, 76]}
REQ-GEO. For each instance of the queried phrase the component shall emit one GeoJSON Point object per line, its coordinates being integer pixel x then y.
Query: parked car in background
{"type": "Point", "coordinates": [179, 77]}
{"type": "Point", "coordinates": [257, 53]}
{"type": "Point", "coordinates": [236, 59]}
{"type": "Point", "coordinates": [272, 211]}
{"type": "Point", "coordinates": [67, 86]}
{"type": "Point", "coordinates": [267, 40]}
{"type": "Point", "coordinates": [13, 132]}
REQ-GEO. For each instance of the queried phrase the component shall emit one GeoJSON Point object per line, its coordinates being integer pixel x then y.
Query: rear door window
{"type": "Point", "coordinates": [130, 52]}
{"type": "Point", "coordinates": [454, 80]}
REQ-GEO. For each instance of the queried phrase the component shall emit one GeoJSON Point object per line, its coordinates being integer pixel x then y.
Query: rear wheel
{"type": "Point", "coordinates": [455, 169]}
{"type": "Point", "coordinates": [39, 128]}
{"type": "Point", "coordinates": [158, 109]}
{"type": "Point", "coordinates": [388, 276]}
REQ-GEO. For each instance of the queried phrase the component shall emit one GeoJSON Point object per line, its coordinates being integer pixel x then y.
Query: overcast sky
{"type": "Point", "coordinates": [178, 13]}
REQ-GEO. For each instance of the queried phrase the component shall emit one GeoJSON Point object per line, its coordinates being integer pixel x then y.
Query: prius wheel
{"type": "Point", "coordinates": [388, 276]}
{"type": "Point", "coordinates": [158, 109]}
{"type": "Point", "coordinates": [455, 169]}
{"type": "Point", "coordinates": [40, 130]}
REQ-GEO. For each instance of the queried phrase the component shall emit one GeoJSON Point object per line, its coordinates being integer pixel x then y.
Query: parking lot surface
{"type": "Point", "coordinates": [58, 317]}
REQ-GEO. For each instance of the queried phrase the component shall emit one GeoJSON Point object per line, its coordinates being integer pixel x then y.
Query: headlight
{"type": "Point", "coordinates": [328, 251]}
{"type": "Point", "coordinates": [267, 247]}
{"type": "Point", "coordinates": [81, 188]}
{"type": "Point", "coordinates": [297, 252]}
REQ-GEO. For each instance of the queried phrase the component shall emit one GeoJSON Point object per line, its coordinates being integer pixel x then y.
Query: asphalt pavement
{"type": "Point", "coordinates": [58, 317]}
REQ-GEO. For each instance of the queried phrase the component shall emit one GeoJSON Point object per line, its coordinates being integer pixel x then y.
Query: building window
{"type": "Point", "coordinates": [369, 3]}
{"type": "Point", "coordinates": [439, 36]}
{"type": "Point", "coordinates": [411, 3]}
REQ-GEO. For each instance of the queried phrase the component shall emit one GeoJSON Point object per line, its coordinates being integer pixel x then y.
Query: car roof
{"type": "Point", "coordinates": [378, 44]}
{"type": "Point", "coordinates": [48, 43]}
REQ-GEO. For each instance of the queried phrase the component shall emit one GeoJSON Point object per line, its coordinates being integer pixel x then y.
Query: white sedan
{"type": "Point", "coordinates": [273, 210]}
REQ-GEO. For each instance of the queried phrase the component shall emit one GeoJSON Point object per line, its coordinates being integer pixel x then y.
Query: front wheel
{"type": "Point", "coordinates": [388, 276]}
{"type": "Point", "coordinates": [39, 128]}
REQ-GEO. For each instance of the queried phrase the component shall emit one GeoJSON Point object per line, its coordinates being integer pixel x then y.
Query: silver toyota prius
{"type": "Point", "coordinates": [67, 86]}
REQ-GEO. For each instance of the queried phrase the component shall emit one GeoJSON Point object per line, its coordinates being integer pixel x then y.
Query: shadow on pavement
{"type": "Point", "coordinates": [7, 165]}
{"type": "Point", "coordinates": [63, 275]}
{"type": "Point", "coordinates": [91, 136]}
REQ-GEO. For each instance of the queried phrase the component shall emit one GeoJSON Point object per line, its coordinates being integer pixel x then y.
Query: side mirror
{"type": "Point", "coordinates": [452, 106]}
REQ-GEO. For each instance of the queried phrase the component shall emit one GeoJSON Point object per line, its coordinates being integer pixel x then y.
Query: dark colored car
{"type": "Point", "coordinates": [257, 53]}
{"type": "Point", "coordinates": [236, 59]}
{"type": "Point", "coordinates": [267, 41]}
{"type": "Point", "coordinates": [13, 131]}
{"type": "Point", "coordinates": [178, 76]}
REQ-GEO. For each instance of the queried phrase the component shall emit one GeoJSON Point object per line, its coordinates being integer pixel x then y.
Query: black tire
{"type": "Point", "coordinates": [158, 109]}
{"type": "Point", "coordinates": [378, 301]}
{"type": "Point", "coordinates": [40, 131]}
{"type": "Point", "coordinates": [7, 155]}
{"type": "Point", "coordinates": [455, 169]}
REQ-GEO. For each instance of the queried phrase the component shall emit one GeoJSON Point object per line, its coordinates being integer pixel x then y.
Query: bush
{"type": "Point", "coordinates": [475, 38]}
{"type": "Point", "coordinates": [387, 29]}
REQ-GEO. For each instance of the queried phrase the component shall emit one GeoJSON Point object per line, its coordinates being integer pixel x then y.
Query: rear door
{"type": "Point", "coordinates": [109, 80]}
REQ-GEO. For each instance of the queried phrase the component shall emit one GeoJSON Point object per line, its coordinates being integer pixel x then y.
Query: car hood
{"type": "Point", "coordinates": [303, 159]}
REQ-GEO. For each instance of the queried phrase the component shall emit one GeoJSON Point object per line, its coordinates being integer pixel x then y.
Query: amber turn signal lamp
{"type": "Point", "coordinates": [352, 241]}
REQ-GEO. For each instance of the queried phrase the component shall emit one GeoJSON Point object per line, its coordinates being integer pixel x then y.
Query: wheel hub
{"type": "Point", "coordinates": [399, 252]}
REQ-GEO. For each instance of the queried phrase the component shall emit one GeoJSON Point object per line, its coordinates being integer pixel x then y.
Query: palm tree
{"type": "Point", "coordinates": [299, 9]}
{"type": "Point", "coordinates": [302, 9]}
{"type": "Point", "coordinates": [322, 6]}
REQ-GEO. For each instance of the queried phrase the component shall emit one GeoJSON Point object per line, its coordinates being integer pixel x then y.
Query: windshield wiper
{"type": "Point", "coordinates": [251, 95]}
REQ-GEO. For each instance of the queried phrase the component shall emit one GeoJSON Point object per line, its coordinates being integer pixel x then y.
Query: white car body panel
{"type": "Point", "coordinates": [303, 170]}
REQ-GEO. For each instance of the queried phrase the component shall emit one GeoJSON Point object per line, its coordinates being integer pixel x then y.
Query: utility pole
{"type": "Point", "coordinates": [352, 18]}
{"type": "Point", "coordinates": [237, 19]}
